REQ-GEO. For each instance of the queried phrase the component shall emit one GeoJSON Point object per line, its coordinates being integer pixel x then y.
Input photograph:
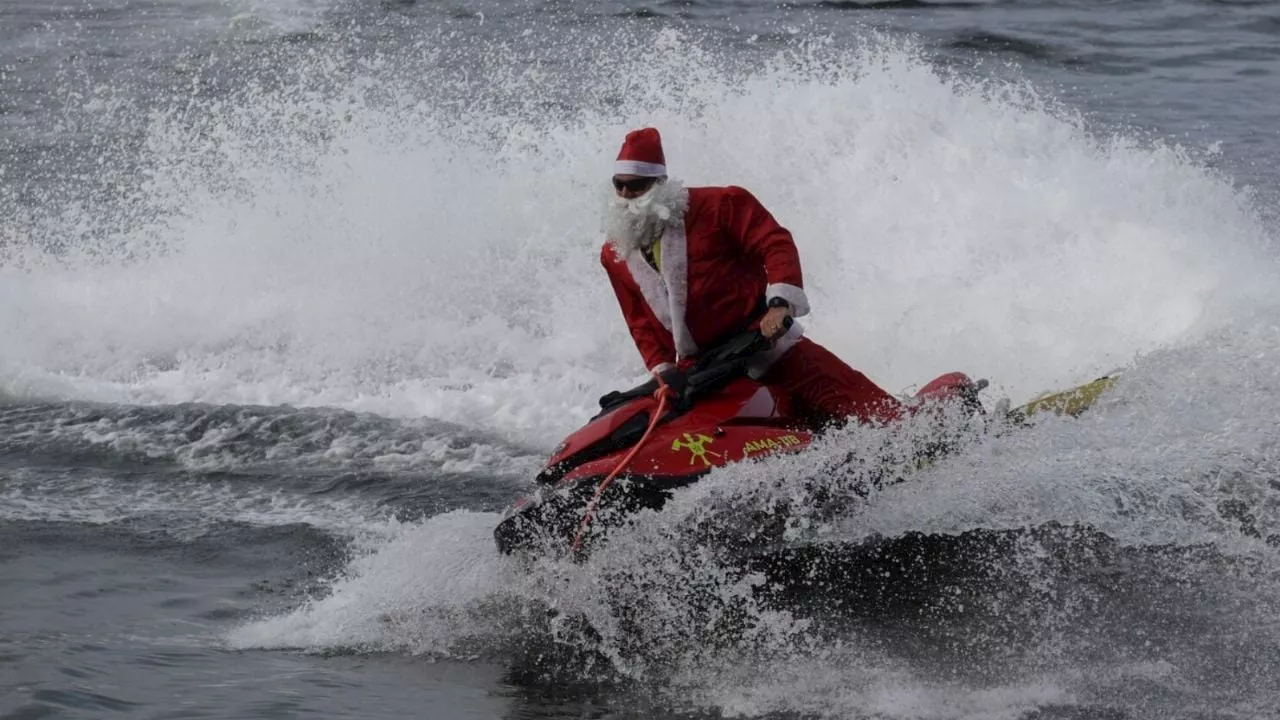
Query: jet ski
{"type": "Point", "coordinates": [665, 434]}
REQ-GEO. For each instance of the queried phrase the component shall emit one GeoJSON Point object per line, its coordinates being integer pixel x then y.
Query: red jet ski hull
{"type": "Point", "coordinates": [743, 420]}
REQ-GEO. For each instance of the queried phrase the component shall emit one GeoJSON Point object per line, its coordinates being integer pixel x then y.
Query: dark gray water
{"type": "Point", "coordinates": [294, 298]}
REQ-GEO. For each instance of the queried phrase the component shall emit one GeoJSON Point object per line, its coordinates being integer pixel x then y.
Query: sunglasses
{"type": "Point", "coordinates": [636, 185]}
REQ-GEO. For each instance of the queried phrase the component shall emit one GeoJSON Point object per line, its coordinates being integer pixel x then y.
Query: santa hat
{"type": "Point", "coordinates": [641, 154]}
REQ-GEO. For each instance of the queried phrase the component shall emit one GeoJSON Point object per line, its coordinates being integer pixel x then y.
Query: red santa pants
{"type": "Point", "coordinates": [823, 389]}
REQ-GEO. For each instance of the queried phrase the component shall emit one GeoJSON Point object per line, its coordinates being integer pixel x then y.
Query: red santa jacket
{"type": "Point", "coordinates": [729, 256]}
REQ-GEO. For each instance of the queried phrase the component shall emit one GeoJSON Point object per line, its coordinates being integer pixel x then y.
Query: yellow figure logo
{"type": "Point", "coordinates": [697, 446]}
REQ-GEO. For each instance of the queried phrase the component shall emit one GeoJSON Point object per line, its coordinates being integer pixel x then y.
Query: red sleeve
{"type": "Point", "coordinates": [747, 221]}
{"type": "Point", "coordinates": [654, 342]}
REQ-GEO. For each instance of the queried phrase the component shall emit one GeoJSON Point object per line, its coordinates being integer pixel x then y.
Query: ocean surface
{"type": "Point", "coordinates": [296, 295]}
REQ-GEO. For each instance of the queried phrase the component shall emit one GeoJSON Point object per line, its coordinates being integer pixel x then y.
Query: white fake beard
{"type": "Point", "coordinates": [636, 223]}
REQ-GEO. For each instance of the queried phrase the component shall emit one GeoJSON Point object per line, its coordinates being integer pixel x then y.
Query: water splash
{"type": "Point", "coordinates": [356, 240]}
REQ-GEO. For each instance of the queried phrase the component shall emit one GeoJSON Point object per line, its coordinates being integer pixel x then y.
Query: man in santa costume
{"type": "Point", "coordinates": [693, 266]}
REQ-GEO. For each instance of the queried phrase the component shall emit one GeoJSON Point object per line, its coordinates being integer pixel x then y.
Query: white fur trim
{"type": "Point", "coordinates": [635, 167]}
{"type": "Point", "coordinates": [794, 296]}
{"type": "Point", "coordinates": [760, 363]}
{"type": "Point", "coordinates": [652, 286]}
{"type": "Point", "coordinates": [675, 271]}
{"type": "Point", "coordinates": [662, 367]}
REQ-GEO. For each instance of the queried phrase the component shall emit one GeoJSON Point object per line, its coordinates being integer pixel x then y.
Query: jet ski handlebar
{"type": "Point", "coordinates": [712, 370]}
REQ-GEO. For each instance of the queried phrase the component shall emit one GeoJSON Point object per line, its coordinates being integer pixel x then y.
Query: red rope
{"type": "Point", "coordinates": [662, 393]}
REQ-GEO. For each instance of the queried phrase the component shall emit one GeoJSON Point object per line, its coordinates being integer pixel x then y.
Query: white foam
{"type": "Point", "coordinates": [1183, 431]}
{"type": "Point", "coordinates": [294, 16]}
{"type": "Point", "coordinates": [857, 683]}
{"type": "Point", "coordinates": [186, 510]}
{"type": "Point", "coordinates": [205, 438]}
{"type": "Point", "coordinates": [413, 594]}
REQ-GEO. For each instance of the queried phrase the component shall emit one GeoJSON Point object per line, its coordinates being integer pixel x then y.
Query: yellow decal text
{"type": "Point", "coordinates": [768, 445]}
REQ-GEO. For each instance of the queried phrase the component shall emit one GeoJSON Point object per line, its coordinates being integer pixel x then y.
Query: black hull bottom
{"type": "Point", "coordinates": [549, 528]}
